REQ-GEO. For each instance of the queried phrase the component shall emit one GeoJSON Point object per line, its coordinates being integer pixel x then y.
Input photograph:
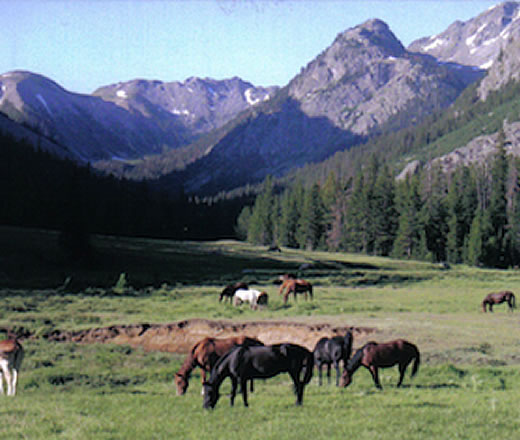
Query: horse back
{"type": "Point", "coordinates": [9, 346]}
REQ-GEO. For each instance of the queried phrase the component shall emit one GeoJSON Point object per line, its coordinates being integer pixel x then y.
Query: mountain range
{"type": "Point", "coordinates": [215, 135]}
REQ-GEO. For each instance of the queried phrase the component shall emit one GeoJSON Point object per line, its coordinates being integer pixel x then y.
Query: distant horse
{"type": "Point", "coordinates": [230, 290]}
{"type": "Point", "coordinates": [205, 354]}
{"type": "Point", "coordinates": [374, 356]}
{"type": "Point", "coordinates": [252, 296]}
{"type": "Point", "coordinates": [499, 298]}
{"type": "Point", "coordinates": [11, 357]}
{"type": "Point", "coordinates": [295, 286]}
{"type": "Point", "coordinates": [331, 351]}
{"type": "Point", "coordinates": [247, 363]}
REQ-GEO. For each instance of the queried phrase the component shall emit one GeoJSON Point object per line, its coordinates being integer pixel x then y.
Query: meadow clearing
{"type": "Point", "coordinates": [467, 386]}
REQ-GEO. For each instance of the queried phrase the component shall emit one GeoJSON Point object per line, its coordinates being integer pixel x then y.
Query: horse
{"type": "Point", "coordinates": [11, 357]}
{"type": "Point", "coordinates": [230, 290]}
{"type": "Point", "coordinates": [295, 286]}
{"type": "Point", "coordinates": [499, 298]}
{"type": "Point", "coordinates": [252, 296]}
{"type": "Point", "coordinates": [374, 356]}
{"type": "Point", "coordinates": [331, 351]}
{"type": "Point", "coordinates": [247, 363]}
{"type": "Point", "coordinates": [204, 354]}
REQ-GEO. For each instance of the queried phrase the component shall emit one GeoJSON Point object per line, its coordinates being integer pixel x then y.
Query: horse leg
{"type": "Point", "coordinates": [1, 382]}
{"type": "Point", "coordinates": [243, 386]}
{"type": "Point", "coordinates": [298, 387]}
{"type": "Point", "coordinates": [402, 369]}
{"type": "Point", "coordinates": [319, 373]}
{"type": "Point", "coordinates": [375, 375]}
{"type": "Point", "coordinates": [328, 373]}
{"type": "Point", "coordinates": [234, 383]}
{"type": "Point", "coordinates": [336, 364]}
{"type": "Point", "coordinates": [203, 379]}
{"type": "Point", "coordinates": [251, 386]}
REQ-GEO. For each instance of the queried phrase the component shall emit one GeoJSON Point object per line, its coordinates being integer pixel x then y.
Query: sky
{"type": "Point", "coordinates": [85, 44]}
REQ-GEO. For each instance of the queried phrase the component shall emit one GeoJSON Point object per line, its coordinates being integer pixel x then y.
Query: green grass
{"type": "Point", "coordinates": [467, 386]}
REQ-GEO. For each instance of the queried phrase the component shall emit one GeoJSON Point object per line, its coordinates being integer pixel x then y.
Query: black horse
{"type": "Point", "coordinates": [245, 363]}
{"type": "Point", "coordinates": [230, 290]}
{"type": "Point", "coordinates": [331, 351]}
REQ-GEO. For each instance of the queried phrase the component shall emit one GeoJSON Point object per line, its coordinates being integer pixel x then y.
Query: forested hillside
{"type": "Point", "coordinates": [353, 201]}
{"type": "Point", "coordinates": [40, 190]}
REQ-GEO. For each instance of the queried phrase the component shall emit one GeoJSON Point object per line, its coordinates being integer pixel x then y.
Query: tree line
{"type": "Point", "coordinates": [471, 215]}
{"type": "Point", "coordinates": [40, 190]}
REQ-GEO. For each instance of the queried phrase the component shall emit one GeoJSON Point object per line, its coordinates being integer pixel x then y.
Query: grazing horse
{"type": "Point", "coordinates": [252, 296]}
{"type": "Point", "coordinates": [295, 286]}
{"type": "Point", "coordinates": [204, 354]}
{"type": "Point", "coordinates": [11, 357]}
{"type": "Point", "coordinates": [374, 356]}
{"type": "Point", "coordinates": [230, 290]}
{"type": "Point", "coordinates": [247, 363]}
{"type": "Point", "coordinates": [331, 351]}
{"type": "Point", "coordinates": [499, 298]}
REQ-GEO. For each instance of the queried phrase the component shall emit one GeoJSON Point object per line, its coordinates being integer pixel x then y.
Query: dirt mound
{"type": "Point", "coordinates": [179, 337]}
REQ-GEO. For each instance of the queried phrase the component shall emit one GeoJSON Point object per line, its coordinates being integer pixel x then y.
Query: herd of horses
{"type": "Point", "coordinates": [244, 358]}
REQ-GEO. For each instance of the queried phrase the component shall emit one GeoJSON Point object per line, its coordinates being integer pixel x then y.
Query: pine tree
{"type": "Point", "coordinates": [261, 223]}
{"type": "Point", "coordinates": [311, 226]}
{"type": "Point", "coordinates": [434, 214]}
{"type": "Point", "coordinates": [495, 216]}
{"type": "Point", "coordinates": [291, 202]}
{"type": "Point", "coordinates": [409, 203]}
{"type": "Point", "coordinates": [384, 214]}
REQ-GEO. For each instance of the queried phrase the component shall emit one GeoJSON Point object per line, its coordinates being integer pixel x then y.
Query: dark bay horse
{"type": "Point", "coordinates": [205, 354]}
{"type": "Point", "coordinates": [247, 363]}
{"type": "Point", "coordinates": [229, 291]}
{"type": "Point", "coordinates": [499, 298]}
{"type": "Point", "coordinates": [331, 351]}
{"type": "Point", "coordinates": [374, 356]}
{"type": "Point", "coordinates": [295, 286]}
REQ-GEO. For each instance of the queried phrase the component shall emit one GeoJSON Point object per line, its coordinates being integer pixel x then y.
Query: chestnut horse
{"type": "Point", "coordinates": [374, 356]}
{"type": "Point", "coordinates": [11, 357]}
{"type": "Point", "coordinates": [204, 354]}
{"type": "Point", "coordinates": [247, 363]}
{"type": "Point", "coordinates": [499, 298]}
{"type": "Point", "coordinates": [295, 286]}
{"type": "Point", "coordinates": [229, 291]}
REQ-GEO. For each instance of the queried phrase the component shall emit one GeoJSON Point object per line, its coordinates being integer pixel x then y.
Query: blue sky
{"type": "Point", "coordinates": [86, 44]}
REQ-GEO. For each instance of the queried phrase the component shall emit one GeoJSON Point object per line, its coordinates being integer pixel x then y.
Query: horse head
{"type": "Point", "coordinates": [346, 379]}
{"type": "Point", "coordinates": [182, 384]}
{"type": "Point", "coordinates": [211, 395]}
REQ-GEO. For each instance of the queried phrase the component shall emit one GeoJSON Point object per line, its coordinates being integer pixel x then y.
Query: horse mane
{"type": "Point", "coordinates": [355, 362]}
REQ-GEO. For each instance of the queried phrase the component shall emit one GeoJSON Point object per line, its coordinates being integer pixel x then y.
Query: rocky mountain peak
{"type": "Point", "coordinates": [477, 41]}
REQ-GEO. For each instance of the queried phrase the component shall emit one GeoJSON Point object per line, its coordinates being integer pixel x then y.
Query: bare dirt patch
{"type": "Point", "coordinates": [179, 337]}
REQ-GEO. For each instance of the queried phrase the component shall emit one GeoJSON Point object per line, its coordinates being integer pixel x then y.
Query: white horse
{"type": "Point", "coordinates": [11, 356]}
{"type": "Point", "coordinates": [252, 296]}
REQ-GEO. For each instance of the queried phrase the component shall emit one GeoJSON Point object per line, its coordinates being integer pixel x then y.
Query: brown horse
{"type": "Point", "coordinates": [204, 354]}
{"type": "Point", "coordinates": [229, 291]}
{"type": "Point", "coordinates": [499, 298]}
{"type": "Point", "coordinates": [295, 286]}
{"type": "Point", "coordinates": [374, 356]}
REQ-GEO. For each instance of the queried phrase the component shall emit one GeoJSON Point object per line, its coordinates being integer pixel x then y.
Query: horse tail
{"type": "Point", "coordinates": [310, 290]}
{"type": "Point", "coordinates": [347, 346]}
{"type": "Point", "coordinates": [309, 367]}
{"type": "Point", "coordinates": [417, 361]}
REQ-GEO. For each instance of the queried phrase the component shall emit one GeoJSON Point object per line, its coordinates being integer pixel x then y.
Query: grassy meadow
{"type": "Point", "coordinates": [467, 386]}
